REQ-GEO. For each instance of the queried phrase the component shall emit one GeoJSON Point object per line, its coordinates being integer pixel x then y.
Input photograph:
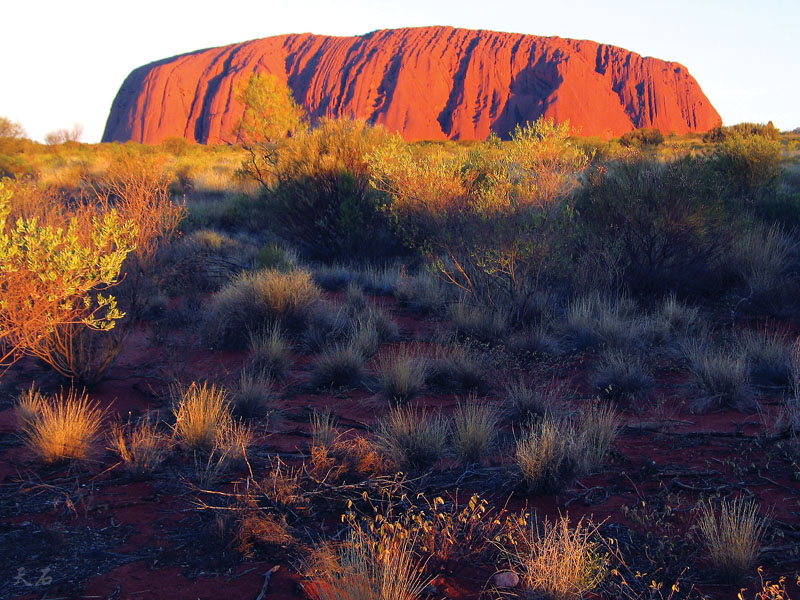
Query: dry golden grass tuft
{"type": "Point", "coordinates": [201, 413]}
{"type": "Point", "coordinates": [547, 455]}
{"type": "Point", "coordinates": [142, 447]}
{"type": "Point", "coordinates": [368, 565]}
{"type": "Point", "coordinates": [557, 561]}
{"type": "Point", "coordinates": [233, 440]}
{"type": "Point", "coordinates": [732, 535]}
{"type": "Point", "coordinates": [258, 529]}
{"type": "Point", "coordinates": [63, 427]}
{"type": "Point", "coordinates": [29, 404]}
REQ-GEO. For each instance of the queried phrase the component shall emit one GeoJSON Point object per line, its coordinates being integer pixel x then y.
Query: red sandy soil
{"type": "Point", "coordinates": [102, 534]}
{"type": "Point", "coordinates": [427, 83]}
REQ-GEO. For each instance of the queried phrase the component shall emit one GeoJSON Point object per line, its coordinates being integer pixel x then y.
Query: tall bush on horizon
{"type": "Point", "coordinates": [487, 217]}
{"type": "Point", "coordinates": [748, 164]}
{"type": "Point", "coordinates": [320, 195]}
{"type": "Point", "coordinates": [270, 115]}
{"type": "Point", "coordinates": [653, 226]}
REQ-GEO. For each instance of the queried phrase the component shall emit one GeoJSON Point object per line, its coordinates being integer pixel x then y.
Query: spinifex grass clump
{"type": "Point", "coordinates": [253, 396]}
{"type": "Point", "coordinates": [457, 369]}
{"type": "Point", "coordinates": [474, 430]}
{"type": "Point", "coordinates": [526, 402]}
{"type": "Point", "coordinates": [141, 446]}
{"type": "Point", "coordinates": [720, 375]}
{"type": "Point", "coordinates": [340, 365]}
{"type": "Point", "coordinates": [402, 376]}
{"type": "Point", "coordinates": [622, 376]}
{"type": "Point", "coordinates": [61, 428]}
{"type": "Point", "coordinates": [369, 565]}
{"type": "Point", "coordinates": [557, 561]}
{"type": "Point", "coordinates": [29, 404]}
{"type": "Point", "coordinates": [548, 456]}
{"type": "Point", "coordinates": [596, 321]}
{"type": "Point", "coordinates": [269, 352]}
{"type": "Point", "coordinates": [597, 427]}
{"type": "Point", "coordinates": [475, 322]}
{"type": "Point", "coordinates": [553, 451]}
{"type": "Point", "coordinates": [256, 300]}
{"type": "Point", "coordinates": [201, 413]}
{"type": "Point", "coordinates": [732, 536]}
{"type": "Point", "coordinates": [413, 437]}
{"type": "Point", "coordinates": [769, 357]}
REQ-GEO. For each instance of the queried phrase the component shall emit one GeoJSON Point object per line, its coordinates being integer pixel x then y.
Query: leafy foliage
{"type": "Point", "coordinates": [52, 276]}
{"type": "Point", "coordinates": [320, 194]}
{"type": "Point", "coordinates": [486, 217]}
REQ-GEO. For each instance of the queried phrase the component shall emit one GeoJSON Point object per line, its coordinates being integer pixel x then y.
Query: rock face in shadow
{"type": "Point", "coordinates": [425, 83]}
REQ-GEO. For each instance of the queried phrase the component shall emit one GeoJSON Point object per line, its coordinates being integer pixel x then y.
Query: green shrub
{"type": "Point", "coordinates": [655, 227]}
{"type": "Point", "coordinates": [722, 133]}
{"type": "Point", "coordinates": [274, 257]}
{"type": "Point", "coordinates": [322, 198]}
{"type": "Point", "coordinates": [489, 218]}
{"type": "Point", "coordinates": [748, 164]}
{"type": "Point", "coordinates": [639, 138]}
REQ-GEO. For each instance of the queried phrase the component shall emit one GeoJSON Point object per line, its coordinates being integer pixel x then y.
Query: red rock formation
{"type": "Point", "coordinates": [426, 83]}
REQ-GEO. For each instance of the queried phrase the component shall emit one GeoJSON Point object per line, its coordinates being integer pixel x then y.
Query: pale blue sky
{"type": "Point", "coordinates": [63, 62]}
